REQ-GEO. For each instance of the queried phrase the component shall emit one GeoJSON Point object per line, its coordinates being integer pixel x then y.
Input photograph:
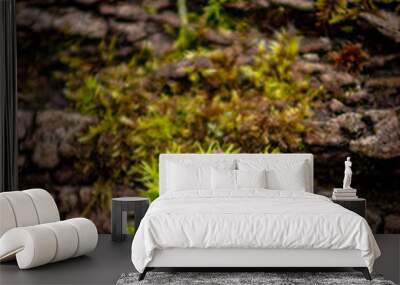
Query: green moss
{"type": "Point", "coordinates": [330, 12]}
{"type": "Point", "coordinates": [140, 114]}
{"type": "Point", "coordinates": [206, 102]}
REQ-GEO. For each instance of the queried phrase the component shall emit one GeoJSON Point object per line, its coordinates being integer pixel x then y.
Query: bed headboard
{"type": "Point", "coordinates": [295, 157]}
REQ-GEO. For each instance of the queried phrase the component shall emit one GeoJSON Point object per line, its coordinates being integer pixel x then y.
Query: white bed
{"type": "Point", "coordinates": [249, 227]}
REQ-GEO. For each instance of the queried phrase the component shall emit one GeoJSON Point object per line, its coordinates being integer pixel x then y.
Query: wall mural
{"type": "Point", "coordinates": [105, 86]}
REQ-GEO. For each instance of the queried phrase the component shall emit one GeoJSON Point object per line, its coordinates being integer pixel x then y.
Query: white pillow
{"type": "Point", "coordinates": [282, 174]}
{"type": "Point", "coordinates": [188, 177]}
{"type": "Point", "coordinates": [251, 178]}
{"type": "Point", "coordinates": [291, 180]}
{"type": "Point", "coordinates": [223, 179]}
{"type": "Point", "coordinates": [229, 180]}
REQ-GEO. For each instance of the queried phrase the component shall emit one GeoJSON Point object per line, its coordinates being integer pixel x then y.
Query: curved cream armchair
{"type": "Point", "coordinates": [31, 231]}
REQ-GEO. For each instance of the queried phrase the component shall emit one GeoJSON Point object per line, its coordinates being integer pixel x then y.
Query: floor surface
{"type": "Point", "coordinates": [110, 260]}
{"type": "Point", "coordinates": [103, 266]}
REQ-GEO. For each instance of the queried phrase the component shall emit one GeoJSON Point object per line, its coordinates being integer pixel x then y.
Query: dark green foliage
{"type": "Point", "coordinates": [148, 172]}
{"type": "Point", "coordinates": [336, 11]}
{"type": "Point", "coordinates": [222, 106]}
{"type": "Point", "coordinates": [205, 102]}
{"type": "Point", "coordinates": [213, 12]}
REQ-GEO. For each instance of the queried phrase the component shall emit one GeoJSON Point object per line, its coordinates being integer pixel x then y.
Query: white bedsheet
{"type": "Point", "coordinates": [250, 219]}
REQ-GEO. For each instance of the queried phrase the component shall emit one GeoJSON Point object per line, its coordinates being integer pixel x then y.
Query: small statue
{"type": "Point", "coordinates": [347, 174]}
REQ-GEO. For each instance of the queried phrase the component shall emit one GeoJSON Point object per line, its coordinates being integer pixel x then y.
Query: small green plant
{"type": "Point", "coordinates": [149, 177]}
{"type": "Point", "coordinates": [215, 147]}
{"type": "Point", "coordinates": [330, 12]}
{"type": "Point", "coordinates": [185, 36]}
{"type": "Point", "coordinates": [213, 12]}
{"type": "Point", "coordinates": [107, 50]}
{"type": "Point", "coordinates": [268, 149]}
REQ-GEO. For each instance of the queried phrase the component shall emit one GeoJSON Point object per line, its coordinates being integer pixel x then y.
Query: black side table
{"type": "Point", "coordinates": [120, 207]}
{"type": "Point", "coordinates": [357, 205]}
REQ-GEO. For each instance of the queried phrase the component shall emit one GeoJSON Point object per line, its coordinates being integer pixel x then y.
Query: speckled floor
{"type": "Point", "coordinates": [252, 278]}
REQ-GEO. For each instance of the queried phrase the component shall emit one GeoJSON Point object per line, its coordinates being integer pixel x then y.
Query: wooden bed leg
{"type": "Point", "coordinates": [143, 274]}
{"type": "Point", "coordinates": [364, 271]}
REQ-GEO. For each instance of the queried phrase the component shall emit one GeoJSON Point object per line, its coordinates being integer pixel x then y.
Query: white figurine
{"type": "Point", "coordinates": [347, 174]}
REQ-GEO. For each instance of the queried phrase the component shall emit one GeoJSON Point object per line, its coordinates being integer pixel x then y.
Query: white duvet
{"type": "Point", "coordinates": [250, 219]}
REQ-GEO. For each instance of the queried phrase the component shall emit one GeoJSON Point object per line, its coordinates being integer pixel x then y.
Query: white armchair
{"type": "Point", "coordinates": [31, 230]}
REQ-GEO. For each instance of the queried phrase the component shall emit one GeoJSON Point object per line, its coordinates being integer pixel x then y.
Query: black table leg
{"type": "Point", "coordinates": [116, 222]}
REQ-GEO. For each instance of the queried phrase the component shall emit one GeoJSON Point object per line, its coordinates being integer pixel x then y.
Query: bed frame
{"type": "Point", "coordinates": [242, 259]}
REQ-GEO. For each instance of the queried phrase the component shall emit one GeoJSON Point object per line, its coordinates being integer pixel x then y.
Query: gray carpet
{"type": "Point", "coordinates": [231, 278]}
